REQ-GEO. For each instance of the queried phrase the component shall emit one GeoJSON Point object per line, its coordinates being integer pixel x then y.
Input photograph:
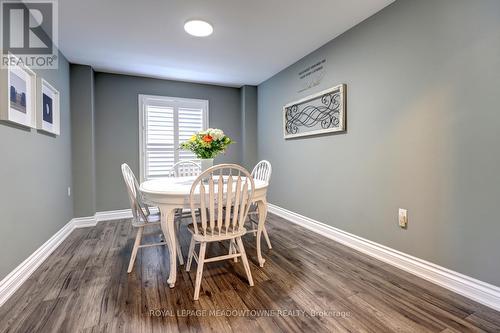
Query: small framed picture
{"type": "Point", "coordinates": [18, 94]}
{"type": "Point", "coordinates": [48, 113]}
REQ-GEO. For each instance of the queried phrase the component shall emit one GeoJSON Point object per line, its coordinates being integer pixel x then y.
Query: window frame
{"type": "Point", "coordinates": [169, 101]}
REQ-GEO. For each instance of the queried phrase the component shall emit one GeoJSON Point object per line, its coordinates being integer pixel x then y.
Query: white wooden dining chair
{"type": "Point", "coordinates": [185, 169]}
{"type": "Point", "coordinates": [262, 171]}
{"type": "Point", "coordinates": [220, 187]}
{"type": "Point", "coordinates": [141, 215]}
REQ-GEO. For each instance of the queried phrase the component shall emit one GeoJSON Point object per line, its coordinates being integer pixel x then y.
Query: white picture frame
{"type": "Point", "coordinates": [18, 94]}
{"type": "Point", "coordinates": [48, 108]}
{"type": "Point", "coordinates": [320, 113]}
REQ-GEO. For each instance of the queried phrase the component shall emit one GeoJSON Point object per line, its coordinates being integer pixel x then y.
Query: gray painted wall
{"type": "Point", "coordinates": [248, 101]}
{"type": "Point", "coordinates": [117, 126]}
{"type": "Point", "coordinates": [83, 134]}
{"type": "Point", "coordinates": [423, 134]}
{"type": "Point", "coordinates": [35, 172]}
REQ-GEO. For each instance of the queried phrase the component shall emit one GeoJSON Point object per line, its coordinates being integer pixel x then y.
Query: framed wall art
{"type": "Point", "coordinates": [18, 95]}
{"type": "Point", "coordinates": [48, 112]}
{"type": "Point", "coordinates": [320, 113]}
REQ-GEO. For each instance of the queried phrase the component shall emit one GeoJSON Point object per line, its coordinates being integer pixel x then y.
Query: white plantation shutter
{"type": "Point", "coordinates": [166, 122]}
{"type": "Point", "coordinates": [160, 143]}
{"type": "Point", "coordinates": [190, 121]}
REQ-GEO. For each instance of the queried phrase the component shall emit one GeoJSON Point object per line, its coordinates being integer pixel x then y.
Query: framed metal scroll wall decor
{"type": "Point", "coordinates": [323, 112]}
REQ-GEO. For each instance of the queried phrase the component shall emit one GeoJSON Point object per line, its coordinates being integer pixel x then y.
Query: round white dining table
{"type": "Point", "coordinates": [172, 193]}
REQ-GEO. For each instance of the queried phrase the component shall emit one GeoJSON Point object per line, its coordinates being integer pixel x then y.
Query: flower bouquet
{"type": "Point", "coordinates": [207, 144]}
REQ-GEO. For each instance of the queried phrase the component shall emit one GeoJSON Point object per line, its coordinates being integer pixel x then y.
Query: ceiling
{"type": "Point", "coordinates": [252, 39]}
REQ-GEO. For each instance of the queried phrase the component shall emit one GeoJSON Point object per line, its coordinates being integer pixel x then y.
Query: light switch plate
{"type": "Point", "coordinates": [403, 218]}
{"type": "Point", "coordinates": [69, 191]}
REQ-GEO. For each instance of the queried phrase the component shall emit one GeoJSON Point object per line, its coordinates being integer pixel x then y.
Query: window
{"type": "Point", "coordinates": [165, 122]}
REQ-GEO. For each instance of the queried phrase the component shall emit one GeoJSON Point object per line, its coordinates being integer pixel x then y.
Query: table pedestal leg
{"type": "Point", "coordinates": [262, 208]}
{"type": "Point", "coordinates": [168, 228]}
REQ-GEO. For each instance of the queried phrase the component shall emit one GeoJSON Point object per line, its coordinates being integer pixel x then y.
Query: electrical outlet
{"type": "Point", "coordinates": [403, 218]}
{"type": "Point", "coordinates": [69, 191]}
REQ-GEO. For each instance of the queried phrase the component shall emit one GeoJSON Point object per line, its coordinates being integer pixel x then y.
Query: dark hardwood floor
{"type": "Point", "coordinates": [309, 284]}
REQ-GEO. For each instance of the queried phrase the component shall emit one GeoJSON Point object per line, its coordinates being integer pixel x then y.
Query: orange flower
{"type": "Point", "coordinates": [207, 138]}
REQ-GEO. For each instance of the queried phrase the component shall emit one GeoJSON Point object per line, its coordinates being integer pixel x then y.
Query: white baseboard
{"type": "Point", "coordinates": [84, 222]}
{"type": "Point", "coordinates": [477, 290]}
{"type": "Point", "coordinates": [113, 215]}
{"type": "Point", "coordinates": [117, 214]}
{"type": "Point", "coordinates": [21, 273]}
{"type": "Point", "coordinates": [474, 289]}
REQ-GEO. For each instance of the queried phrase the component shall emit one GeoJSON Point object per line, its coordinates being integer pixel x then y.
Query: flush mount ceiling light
{"type": "Point", "coordinates": [198, 28]}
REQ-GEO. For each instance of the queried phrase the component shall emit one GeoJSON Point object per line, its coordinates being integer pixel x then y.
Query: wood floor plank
{"type": "Point", "coordinates": [309, 283]}
{"type": "Point", "coordinates": [483, 323]}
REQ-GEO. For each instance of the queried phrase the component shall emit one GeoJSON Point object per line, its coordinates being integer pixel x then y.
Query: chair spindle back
{"type": "Point", "coordinates": [262, 171]}
{"type": "Point", "coordinates": [139, 210]}
{"type": "Point", "coordinates": [223, 194]}
{"type": "Point", "coordinates": [185, 169]}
